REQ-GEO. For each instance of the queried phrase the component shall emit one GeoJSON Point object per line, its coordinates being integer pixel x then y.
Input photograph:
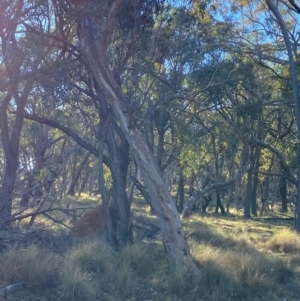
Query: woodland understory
{"type": "Point", "coordinates": [191, 107]}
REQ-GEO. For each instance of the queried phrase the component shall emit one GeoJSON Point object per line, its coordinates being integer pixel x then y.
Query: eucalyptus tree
{"type": "Point", "coordinates": [98, 26]}
{"type": "Point", "coordinates": [268, 33]}
{"type": "Point", "coordinates": [291, 43]}
{"type": "Point", "coordinates": [42, 156]}
{"type": "Point", "coordinates": [23, 59]}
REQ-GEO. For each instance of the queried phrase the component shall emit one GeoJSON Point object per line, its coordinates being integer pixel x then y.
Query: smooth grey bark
{"type": "Point", "coordinates": [296, 96]}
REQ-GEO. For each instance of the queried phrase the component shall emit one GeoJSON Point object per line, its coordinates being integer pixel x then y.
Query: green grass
{"type": "Point", "coordinates": [240, 259]}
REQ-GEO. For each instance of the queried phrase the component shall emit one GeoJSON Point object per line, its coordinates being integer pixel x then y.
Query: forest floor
{"type": "Point", "coordinates": [256, 259]}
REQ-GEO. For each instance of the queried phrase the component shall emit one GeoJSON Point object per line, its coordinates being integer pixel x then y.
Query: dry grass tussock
{"type": "Point", "coordinates": [237, 264]}
{"type": "Point", "coordinates": [285, 241]}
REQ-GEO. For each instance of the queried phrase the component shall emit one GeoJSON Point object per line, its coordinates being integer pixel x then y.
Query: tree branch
{"type": "Point", "coordinates": [110, 25]}
{"type": "Point", "coordinates": [200, 193]}
{"type": "Point", "coordinates": [70, 133]}
{"type": "Point", "coordinates": [289, 175]}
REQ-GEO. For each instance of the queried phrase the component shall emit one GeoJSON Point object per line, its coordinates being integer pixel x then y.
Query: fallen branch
{"type": "Point", "coordinates": [200, 193]}
{"type": "Point", "coordinates": [44, 212]}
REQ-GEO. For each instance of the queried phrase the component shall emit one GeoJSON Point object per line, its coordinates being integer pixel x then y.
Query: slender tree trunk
{"type": "Point", "coordinates": [265, 188]}
{"type": "Point", "coordinates": [219, 204]}
{"type": "Point", "coordinates": [231, 188]}
{"type": "Point", "coordinates": [10, 145]}
{"type": "Point", "coordinates": [207, 200]}
{"type": "Point", "coordinates": [181, 191]}
{"type": "Point", "coordinates": [248, 195]}
{"type": "Point", "coordinates": [191, 184]}
{"type": "Point", "coordinates": [255, 181]}
{"type": "Point", "coordinates": [283, 192]}
{"type": "Point", "coordinates": [71, 190]}
{"type": "Point", "coordinates": [84, 180]}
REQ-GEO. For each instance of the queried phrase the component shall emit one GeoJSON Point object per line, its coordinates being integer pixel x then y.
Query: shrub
{"type": "Point", "coordinates": [176, 281]}
{"type": "Point", "coordinates": [93, 257]}
{"type": "Point", "coordinates": [75, 284]}
{"type": "Point", "coordinates": [37, 268]}
{"type": "Point", "coordinates": [123, 277]}
{"type": "Point", "coordinates": [139, 258]}
{"type": "Point", "coordinates": [286, 241]}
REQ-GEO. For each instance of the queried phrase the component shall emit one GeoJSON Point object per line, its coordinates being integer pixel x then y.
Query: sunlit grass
{"type": "Point", "coordinates": [285, 240]}
{"type": "Point", "coordinates": [240, 259]}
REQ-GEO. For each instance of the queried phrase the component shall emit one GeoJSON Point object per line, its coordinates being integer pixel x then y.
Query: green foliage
{"type": "Point", "coordinates": [249, 110]}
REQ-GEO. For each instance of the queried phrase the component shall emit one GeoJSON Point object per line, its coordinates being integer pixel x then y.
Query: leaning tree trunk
{"type": "Point", "coordinates": [173, 236]}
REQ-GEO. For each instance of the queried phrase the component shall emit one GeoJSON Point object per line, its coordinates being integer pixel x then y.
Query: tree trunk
{"type": "Point", "coordinates": [173, 236]}
{"type": "Point", "coordinates": [118, 149]}
{"type": "Point", "coordinates": [181, 191]}
{"type": "Point", "coordinates": [10, 145]}
{"type": "Point", "coordinates": [71, 190]}
{"type": "Point", "coordinates": [296, 97]}
{"type": "Point", "coordinates": [231, 188]}
{"type": "Point", "coordinates": [207, 200]}
{"type": "Point", "coordinates": [191, 184]}
{"type": "Point", "coordinates": [255, 181]}
{"type": "Point", "coordinates": [248, 195]}
{"type": "Point", "coordinates": [219, 204]}
{"type": "Point", "coordinates": [265, 188]}
{"type": "Point", "coordinates": [283, 192]}
{"type": "Point", "coordinates": [120, 159]}
{"type": "Point", "coordinates": [84, 180]}
{"type": "Point", "coordinates": [109, 214]}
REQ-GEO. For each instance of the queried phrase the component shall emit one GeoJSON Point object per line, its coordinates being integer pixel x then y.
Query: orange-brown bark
{"type": "Point", "coordinates": [90, 223]}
